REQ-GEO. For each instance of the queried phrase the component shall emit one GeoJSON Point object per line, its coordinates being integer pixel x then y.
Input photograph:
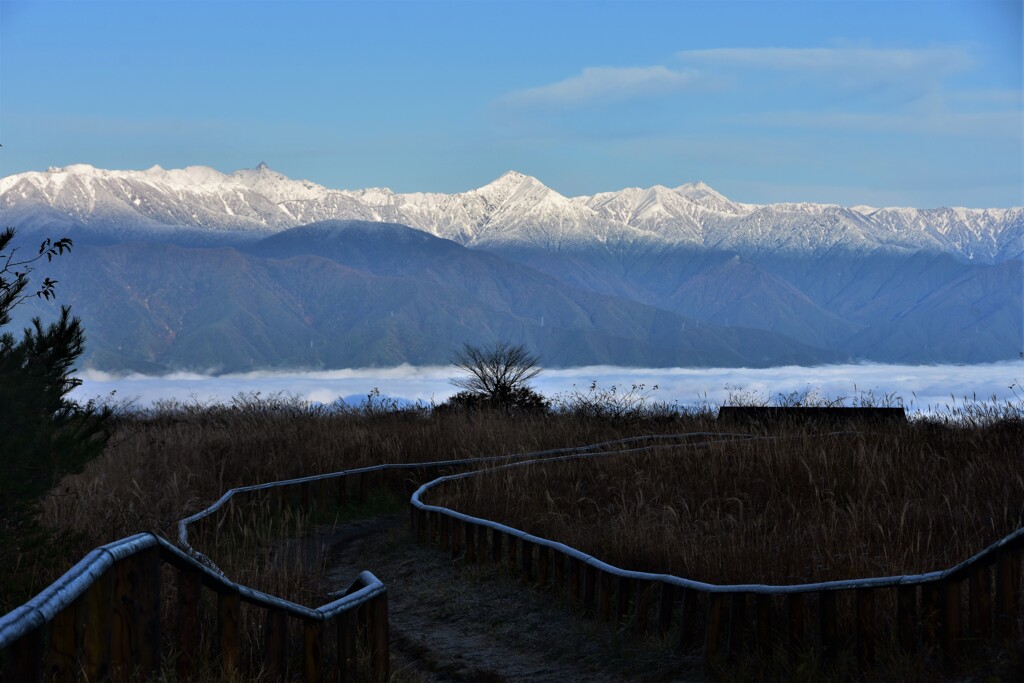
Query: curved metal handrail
{"type": "Point", "coordinates": [64, 591]}
{"type": "Point", "coordinates": [184, 523]}
{"type": "Point", "coordinates": [846, 584]}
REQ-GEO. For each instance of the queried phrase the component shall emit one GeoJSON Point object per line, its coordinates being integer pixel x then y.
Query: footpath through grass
{"type": "Point", "coordinates": [908, 499]}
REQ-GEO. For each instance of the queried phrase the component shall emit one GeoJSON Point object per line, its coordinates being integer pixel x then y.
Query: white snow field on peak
{"type": "Point", "coordinates": [515, 210]}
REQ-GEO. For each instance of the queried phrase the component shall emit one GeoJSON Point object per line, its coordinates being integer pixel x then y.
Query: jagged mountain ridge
{"type": "Point", "coordinates": [514, 211]}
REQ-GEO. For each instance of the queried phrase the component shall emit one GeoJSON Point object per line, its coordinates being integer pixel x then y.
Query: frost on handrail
{"type": "Point", "coordinates": [874, 582]}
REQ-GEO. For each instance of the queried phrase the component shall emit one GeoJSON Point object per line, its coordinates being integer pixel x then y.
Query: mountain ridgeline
{"type": "Point", "coordinates": [194, 269]}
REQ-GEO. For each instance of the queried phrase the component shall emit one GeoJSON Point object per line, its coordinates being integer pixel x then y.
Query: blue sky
{"type": "Point", "coordinates": [883, 103]}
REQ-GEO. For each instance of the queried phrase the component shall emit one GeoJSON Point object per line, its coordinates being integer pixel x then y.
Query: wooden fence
{"type": "Point", "coordinates": [945, 613]}
{"type": "Point", "coordinates": [103, 618]}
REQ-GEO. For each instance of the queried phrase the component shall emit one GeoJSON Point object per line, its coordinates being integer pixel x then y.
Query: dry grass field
{"type": "Point", "coordinates": [166, 463]}
{"type": "Point", "coordinates": [794, 506]}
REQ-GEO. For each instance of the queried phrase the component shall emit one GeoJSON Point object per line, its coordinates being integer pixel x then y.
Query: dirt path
{"type": "Point", "coordinates": [450, 622]}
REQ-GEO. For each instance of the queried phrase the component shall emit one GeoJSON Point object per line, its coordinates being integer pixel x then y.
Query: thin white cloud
{"type": "Point", "coordinates": [935, 62]}
{"type": "Point", "coordinates": [924, 122]}
{"type": "Point", "coordinates": [910, 73]}
{"type": "Point", "coordinates": [601, 85]}
{"type": "Point", "coordinates": [861, 76]}
{"type": "Point", "coordinates": [904, 90]}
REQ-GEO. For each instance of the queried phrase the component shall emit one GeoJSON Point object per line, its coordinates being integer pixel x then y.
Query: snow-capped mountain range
{"type": "Point", "coordinates": [513, 211]}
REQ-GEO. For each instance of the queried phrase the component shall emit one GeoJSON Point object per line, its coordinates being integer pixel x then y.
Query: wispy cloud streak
{"type": "Point", "coordinates": [602, 85]}
{"type": "Point", "coordinates": [938, 62]}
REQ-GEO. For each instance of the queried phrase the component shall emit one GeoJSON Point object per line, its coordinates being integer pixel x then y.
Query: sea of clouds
{"type": "Point", "coordinates": [920, 387]}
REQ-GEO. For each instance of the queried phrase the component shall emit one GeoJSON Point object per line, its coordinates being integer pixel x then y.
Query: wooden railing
{"type": "Point", "coordinates": [949, 612]}
{"type": "Point", "coordinates": [103, 619]}
{"type": "Point", "coordinates": [106, 617]}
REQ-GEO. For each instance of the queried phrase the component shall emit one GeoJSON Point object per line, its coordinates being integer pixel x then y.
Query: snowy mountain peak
{"type": "Point", "coordinates": [507, 183]}
{"type": "Point", "coordinates": [512, 176]}
{"type": "Point", "coordinates": [277, 187]}
{"type": "Point", "coordinates": [514, 209]}
{"type": "Point", "coordinates": [697, 188]}
{"type": "Point", "coordinates": [700, 190]}
{"type": "Point", "coordinates": [701, 193]}
{"type": "Point", "coordinates": [77, 169]}
{"type": "Point", "coordinates": [513, 192]}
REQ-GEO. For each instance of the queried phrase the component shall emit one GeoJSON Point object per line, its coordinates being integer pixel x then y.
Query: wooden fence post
{"type": "Point", "coordinates": [865, 627]}
{"type": "Point", "coordinates": [323, 493]}
{"type": "Point", "coordinates": [642, 607]}
{"type": "Point", "coordinates": [1008, 594]}
{"type": "Point", "coordinates": [96, 606]}
{"type": "Point", "coordinates": [443, 530]}
{"type": "Point", "coordinates": [906, 617]}
{"type": "Point", "coordinates": [456, 526]}
{"type": "Point", "coordinates": [496, 546]}
{"type": "Point", "coordinates": [275, 643]}
{"type": "Point", "coordinates": [481, 545]}
{"type": "Point", "coordinates": [511, 562]}
{"type": "Point", "coordinates": [931, 615]}
{"type": "Point", "coordinates": [827, 625]}
{"type": "Point", "coordinates": [979, 586]}
{"type": "Point", "coordinates": [148, 605]}
{"type": "Point", "coordinates": [689, 621]}
{"type": "Point", "coordinates": [543, 566]}
{"type": "Point", "coordinates": [737, 622]}
{"type": "Point", "coordinates": [713, 630]}
{"type": "Point", "coordinates": [765, 634]}
{"type": "Point", "coordinates": [574, 581]}
{"type": "Point", "coordinates": [526, 559]}
{"type": "Point", "coordinates": [135, 632]}
{"type": "Point", "coordinates": [312, 652]}
{"type": "Point", "coordinates": [952, 629]}
{"type": "Point", "coordinates": [346, 637]}
{"type": "Point", "coordinates": [589, 596]}
{"type": "Point", "coordinates": [558, 583]}
{"type": "Point", "coordinates": [362, 486]}
{"type": "Point", "coordinates": [795, 609]}
{"type": "Point", "coordinates": [470, 533]}
{"type": "Point", "coordinates": [228, 632]}
{"type": "Point", "coordinates": [605, 595]}
{"type": "Point", "coordinates": [60, 662]}
{"type": "Point", "coordinates": [623, 596]}
{"type": "Point", "coordinates": [380, 653]}
{"type": "Point", "coordinates": [341, 488]}
{"type": "Point", "coordinates": [189, 589]}
{"type": "Point", "coordinates": [432, 527]}
{"type": "Point", "coordinates": [666, 597]}
{"type": "Point", "coordinates": [23, 659]}
{"type": "Point", "coordinates": [124, 627]}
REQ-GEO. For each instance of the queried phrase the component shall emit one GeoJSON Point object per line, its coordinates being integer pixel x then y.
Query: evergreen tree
{"type": "Point", "coordinates": [43, 434]}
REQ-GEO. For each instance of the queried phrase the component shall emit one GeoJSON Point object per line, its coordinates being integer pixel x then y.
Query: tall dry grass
{"type": "Point", "coordinates": [908, 499]}
{"type": "Point", "coordinates": [170, 461]}
{"type": "Point", "coordinates": [166, 464]}
{"type": "Point", "coordinates": [793, 507]}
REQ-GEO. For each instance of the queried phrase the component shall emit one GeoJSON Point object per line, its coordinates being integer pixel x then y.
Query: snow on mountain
{"type": "Point", "coordinates": [514, 210]}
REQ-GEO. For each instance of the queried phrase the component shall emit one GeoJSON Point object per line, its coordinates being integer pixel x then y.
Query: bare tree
{"type": "Point", "coordinates": [499, 372]}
